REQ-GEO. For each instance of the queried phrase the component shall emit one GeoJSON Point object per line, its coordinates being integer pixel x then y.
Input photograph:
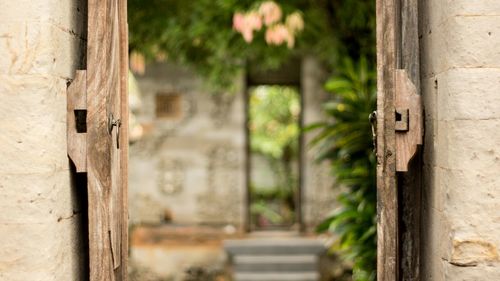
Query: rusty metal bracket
{"type": "Point", "coordinates": [409, 120]}
{"type": "Point", "coordinates": [76, 121]}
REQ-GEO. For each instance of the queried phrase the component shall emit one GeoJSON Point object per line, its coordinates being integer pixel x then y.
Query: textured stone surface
{"type": "Point", "coordinates": [40, 214]}
{"type": "Point", "coordinates": [319, 192]}
{"type": "Point", "coordinates": [461, 86]}
{"type": "Point", "coordinates": [208, 144]}
{"type": "Point", "coordinates": [41, 48]}
{"type": "Point", "coordinates": [41, 251]}
{"type": "Point", "coordinates": [207, 183]}
{"type": "Point", "coordinates": [40, 198]}
{"type": "Point", "coordinates": [168, 252]}
{"type": "Point", "coordinates": [469, 93]}
{"type": "Point", "coordinates": [33, 115]}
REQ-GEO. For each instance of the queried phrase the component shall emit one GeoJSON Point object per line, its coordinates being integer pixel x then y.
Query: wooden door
{"type": "Point", "coordinates": [107, 138]}
{"type": "Point", "coordinates": [399, 135]}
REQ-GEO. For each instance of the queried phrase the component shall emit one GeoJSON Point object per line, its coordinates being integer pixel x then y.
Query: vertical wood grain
{"type": "Point", "coordinates": [105, 176]}
{"type": "Point", "coordinates": [387, 199]}
{"type": "Point", "coordinates": [125, 132]}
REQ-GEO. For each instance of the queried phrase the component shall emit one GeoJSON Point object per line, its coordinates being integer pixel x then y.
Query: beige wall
{"type": "Point", "coordinates": [192, 166]}
{"type": "Point", "coordinates": [319, 192]}
{"type": "Point", "coordinates": [40, 48]}
{"type": "Point", "coordinates": [461, 89]}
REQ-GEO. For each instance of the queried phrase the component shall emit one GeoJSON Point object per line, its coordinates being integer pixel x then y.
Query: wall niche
{"type": "Point", "coordinates": [169, 106]}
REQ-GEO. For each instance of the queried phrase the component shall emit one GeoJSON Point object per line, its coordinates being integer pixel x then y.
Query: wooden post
{"type": "Point", "coordinates": [387, 197]}
{"type": "Point", "coordinates": [399, 194]}
{"type": "Point", "coordinates": [107, 139]}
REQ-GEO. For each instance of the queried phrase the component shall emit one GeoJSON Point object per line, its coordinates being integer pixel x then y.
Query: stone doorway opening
{"type": "Point", "coordinates": [274, 125]}
{"type": "Point", "coordinates": [274, 148]}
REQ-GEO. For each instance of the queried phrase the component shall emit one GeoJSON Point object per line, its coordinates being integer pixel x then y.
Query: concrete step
{"type": "Point", "coordinates": [280, 263]}
{"type": "Point", "coordinates": [289, 246]}
{"type": "Point", "coordinates": [277, 276]}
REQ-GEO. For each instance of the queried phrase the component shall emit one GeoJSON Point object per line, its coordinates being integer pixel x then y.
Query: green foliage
{"type": "Point", "coordinates": [345, 140]}
{"type": "Point", "coordinates": [273, 205]}
{"type": "Point", "coordinates": [274, 121]}
{"type": "Point", "coordinates": [199, 34]}
{"type": "Point", "coordinates": [274, 113]}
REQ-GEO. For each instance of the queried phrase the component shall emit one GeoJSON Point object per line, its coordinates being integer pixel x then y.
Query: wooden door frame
{"type": "Point", "coordinates": [387, 204]}
{"type": "Point", "coordinates": [398, 194]}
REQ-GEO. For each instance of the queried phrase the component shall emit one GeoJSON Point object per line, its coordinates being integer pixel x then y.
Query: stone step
{"type": "Point", "coordinates": [280, 263]}
{"type": "Point", "coordinates": [290, 246]}
{"type": "Point", "coordinates": [277, 276]}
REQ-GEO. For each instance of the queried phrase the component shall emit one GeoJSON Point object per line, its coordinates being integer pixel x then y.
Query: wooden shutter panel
{"type": "Point", "coordinates": [398, 156]}
{"type": "Point", "coordinates": [102, 150]}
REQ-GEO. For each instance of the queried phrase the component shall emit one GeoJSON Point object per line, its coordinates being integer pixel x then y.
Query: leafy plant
{"type": "Point", "coordinates": [274, 121]}
{"type": "Point", "coordinates": [345, 140]}
{"type": "Point", "coordinates": [201, 34]}
{"type": "Point", "coordinates": [274, 113]}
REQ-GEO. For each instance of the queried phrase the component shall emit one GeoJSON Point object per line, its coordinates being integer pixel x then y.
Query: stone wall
{"type": "Point", "coordinates": [460, 42]}
{"type": "Point", "coordinates": [41, 46]}
{"type": "Point", "coordinates": [319, 193]}
{"type": "Point", "coordinates": [188, 168]}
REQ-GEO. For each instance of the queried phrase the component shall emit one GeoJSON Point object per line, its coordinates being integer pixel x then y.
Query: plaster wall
{"type": "Point", "coordinates": [41, 44]}
{"type": "Point", "coordinates": [460, 72]}
{"type": "Point", "coordinates": [188, 169]}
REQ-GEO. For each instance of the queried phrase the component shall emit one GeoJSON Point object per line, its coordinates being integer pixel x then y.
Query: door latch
{"type": "Point", "coordinates": [373, 121]}
{"type": "Point", "coordinates": [402, 119]}
{"type": "Point", "coordinates": [409, 123]}
{"type": "Point", "coordinates": [114, 123]}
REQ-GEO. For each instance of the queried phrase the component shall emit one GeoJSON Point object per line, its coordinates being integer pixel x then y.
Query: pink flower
{"type": "Point", "coordinates": [238, 21]}
{"type": "Point", "coordinates": [246, 24]}
{"type": "Point", "coordinates": [294, 22]}
{"type": "Point", "coordinates": [271, 12]}
{"type": "Point", "coordinates": [277, 34]}
{"type": "Point", "coordinates": [253, 21]}
{"type": "Point", "coordinates": [247, 34]}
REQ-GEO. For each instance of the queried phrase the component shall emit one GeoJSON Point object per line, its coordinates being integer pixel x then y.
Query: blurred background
{"type": "Point", "coordinates": [251, 153]}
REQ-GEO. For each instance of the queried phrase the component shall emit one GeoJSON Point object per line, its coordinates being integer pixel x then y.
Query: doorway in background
{"type": "Point", "coordinates": [274, 146]}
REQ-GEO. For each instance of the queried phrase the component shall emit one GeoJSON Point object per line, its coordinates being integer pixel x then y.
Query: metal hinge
{"type": "Point", "coordinates": [409, 124]}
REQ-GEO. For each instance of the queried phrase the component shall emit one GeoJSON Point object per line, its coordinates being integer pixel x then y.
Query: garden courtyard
{"type": "Point", "coordinates": [249, 140]}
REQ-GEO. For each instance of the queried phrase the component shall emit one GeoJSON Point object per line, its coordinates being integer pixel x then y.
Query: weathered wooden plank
{"type": "Point", "coordinates": [410, 51]}
{"type": "Point", "coordinates": [124, 143]}
{"type": "Point", "coordinates": [104, 91]}
{"type": "Point", "coordinates": [114, 108]}
{"type": "Point", "coordinates": [410, 183]}
{"type": "Point", "coordinates": [409, 102]}
{"type": "Point", "coordinates": [387, 203]}
{"type": "Point", "coordinates": [76, 123]}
